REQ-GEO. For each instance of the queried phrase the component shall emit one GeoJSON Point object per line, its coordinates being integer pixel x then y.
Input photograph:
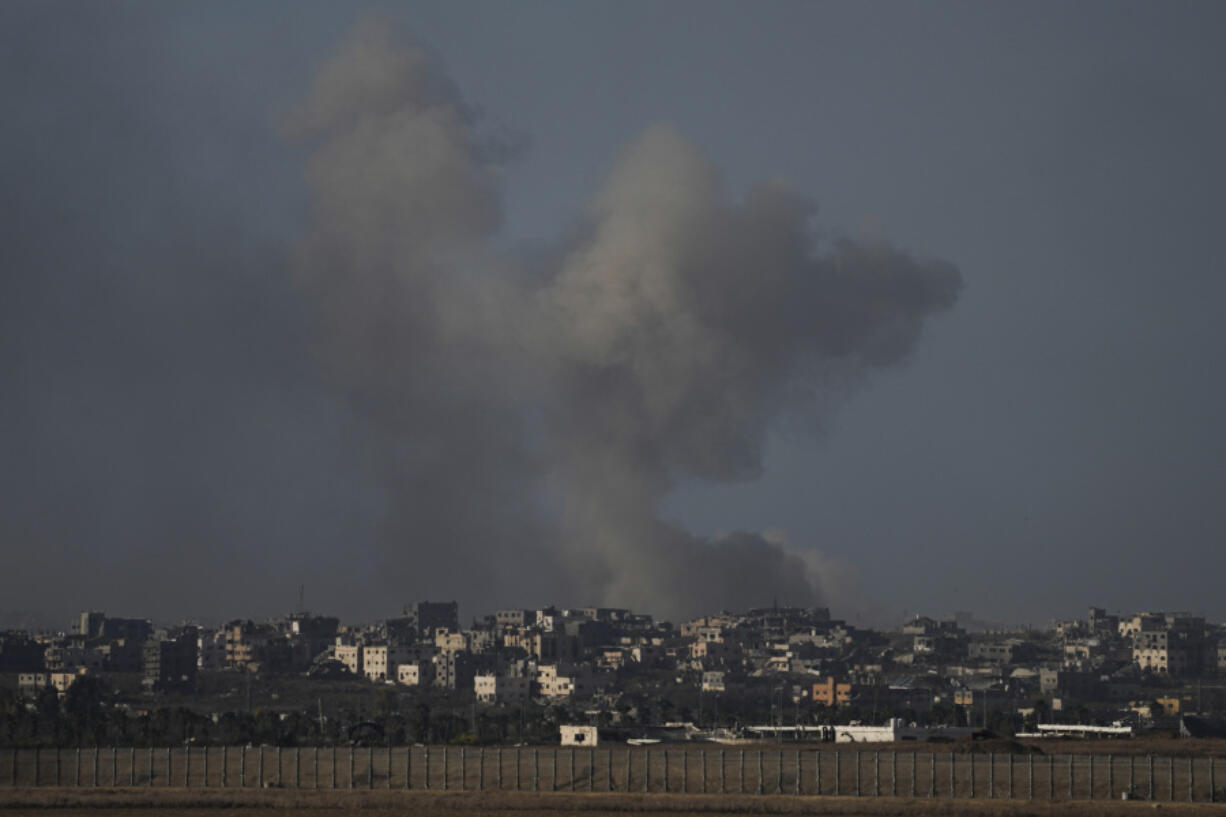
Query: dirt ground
{"type": "Point", "coordinates": [49, 802]}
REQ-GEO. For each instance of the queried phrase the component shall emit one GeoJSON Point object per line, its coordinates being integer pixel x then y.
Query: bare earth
{"type": "Point", "coordinates": [182, 803]}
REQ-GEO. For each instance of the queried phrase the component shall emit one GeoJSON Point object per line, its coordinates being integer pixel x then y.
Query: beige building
{"type": "Point", "coordinates": [351, 656]}
{"type": "Point", "coordinates": [30, 684]}
{"type": "Point", "coordinates": [415, 673]}
{"type": "Point", "coordinates": [493, 688]}
{"type": "Point", "coordinates": [565, 682]}
{"type": "Point", "coordinates": [579, 735]}
{"type": "Point", "coordinates": [447, 641]}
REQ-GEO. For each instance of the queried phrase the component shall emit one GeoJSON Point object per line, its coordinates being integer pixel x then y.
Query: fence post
{"type": "Point", "coordinates": [591, 769]}
{"type": "Point", "coordinates": [627, 781]}
{"type": "Point", "coordinates": [1072, 792]}
{"type": "Point", "coordinates": [480, 769]}
{"type": "Point", "coordinates": [779, 773]}
{"type": "Point", "coordinates": [187, 766]}
{"type": "Point", "coordinates": [646, 770]}
{"type": "Point", "coordinates": [572, 768]}
{"type": "Point", "coordinates": [859, 763]}
{"type": "Point", "coordinates": [932, 774]}
{"type": "Point", "coordinates": [608, 769]}
{"type": "Point", "coordinates": [798, 771]}
{"type": "Point", "coordinates": [370, 767]}
{"type": "Point", "coordinates": [13, 768]}
{"type": "Point", "coordinates": [389, 765]}
{"type": "Point", "coordinates": [445, 769]}
{"type": "Point", "coordinates": [817, 773]}
{"type": "Point", "coordinates": [553, 780]}
{"type": "Point", "coordinates": [991, 775]}
{"type": "Point", "coordinates": [953, 776]}
{"type": "Point", "coordinates": [58, 752]}
{"type": "Point", "coordinates": [1151, 794]}
{"type": "Point", "coordinates": [838, 772]}
{"type": "Point", "coordinates": [741, 780]}
{"type": "Point", "coordinates": [536, 769]}
{"type": "Point", "coordinates": [225, 766]}
{"type": "Point", "coordinates": [894, 774]}
{"type": "Point", "coordinates": [315, 767]}
{"type": "Point", "coordinates": [876, 773]}
{"type": "Point", "coordinates": [498, 758]}
{"type": "Point", "coordinates": [94, 780]}
{"type": "Point", "coordinates": [1090, 758]}
{"type": "Point", "coordinates": [703, 779]}
{"type": "Point", "coordinates": [685, 771]}
{"type": "Point", "coordinates": [1010, 775]}
{"type": "Point", "coordinates": [1110, 777]}
{"type": "Point", "coordinates": [132, 766]}
{"type": "Point", "coordinates": [761, 775]}
{"type": "Point", "coordinates": [1191, 778]}
{"type": "Point", "coordinates": [1170, 765]}
{"type": "Point", "coordinates": [242, 767]}
{"type": "Point", "coordinates": [37, 759]}
{"type": "Point", "coordinates": [972, 759]}
{"type": "Point", "coordinates": [464, 766]}
{"type": "Point", "coordinates": [260, 765]}
{"type": "Point", "coordinates": [1212, 784]}
{"type": "Point", "coordinates": [426, 768]}
{"type": "Point", "coordinates": [1030, 777]}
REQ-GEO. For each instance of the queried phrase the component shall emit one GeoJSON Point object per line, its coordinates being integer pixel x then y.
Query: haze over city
{"type": "Point", "coordinates": [892, 308]}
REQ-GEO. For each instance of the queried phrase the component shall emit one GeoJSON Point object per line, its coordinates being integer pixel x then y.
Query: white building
{"type": "Point", "coordinates": [579, 735]}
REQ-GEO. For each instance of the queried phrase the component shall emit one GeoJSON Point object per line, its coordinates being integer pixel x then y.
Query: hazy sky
{"type": "Point", "coordinates": [192, 423]}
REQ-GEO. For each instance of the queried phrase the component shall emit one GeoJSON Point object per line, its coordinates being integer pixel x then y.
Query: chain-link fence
{"type": "Point", "coordinates": [629, 769]}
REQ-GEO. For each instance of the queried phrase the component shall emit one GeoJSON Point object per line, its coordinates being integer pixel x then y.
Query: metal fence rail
{"type": "Point", "coordinates": [660, 769]}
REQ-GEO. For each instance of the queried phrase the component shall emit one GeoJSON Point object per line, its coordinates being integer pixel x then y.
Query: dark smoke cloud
{"type": "Point", "coordinates": [198, 418]}
{"type": "Point", "coordinates": [660, 345]}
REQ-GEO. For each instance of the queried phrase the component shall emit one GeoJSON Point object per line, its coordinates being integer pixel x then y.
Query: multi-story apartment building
{"type": "Point", "coordinates": [170, 661]}
{"type": "Point", "coordinates": [495, 688]}
{"type": "Point", "coordinates": [832, 692]}
{"type": "Point", "coordinates": [380, 662]}
{"type": "Point", "coordinates": [415, 673]}
{"type": "Point", "coordinates": [350, 655]}
{"type": "Point", "coordinates": [1172, 644]}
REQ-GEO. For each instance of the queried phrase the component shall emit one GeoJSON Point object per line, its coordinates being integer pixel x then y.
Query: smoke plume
{"type": "Point", "coordinates": [532, 413]}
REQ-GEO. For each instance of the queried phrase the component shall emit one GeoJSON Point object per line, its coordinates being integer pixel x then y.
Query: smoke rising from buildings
{"type": "Point", "coordinates": [532, 413]}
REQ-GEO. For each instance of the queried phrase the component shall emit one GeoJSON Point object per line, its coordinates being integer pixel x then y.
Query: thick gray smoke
{"type": "Point", "coordinates": [533, 415]}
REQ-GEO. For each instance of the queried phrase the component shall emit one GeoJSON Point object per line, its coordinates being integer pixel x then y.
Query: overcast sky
{"type": "Point", "coordinates": [176, 439]}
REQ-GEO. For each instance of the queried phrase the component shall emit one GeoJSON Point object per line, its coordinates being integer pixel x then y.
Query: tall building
{"type": "Point", "coordinates": [170, 662]}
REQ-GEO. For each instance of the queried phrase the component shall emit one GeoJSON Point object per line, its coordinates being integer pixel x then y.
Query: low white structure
{"type": "Point", "coordinates": [579, 735]}
{"type": "Point", "coordinates": [894, 730]}
{"type": "Point", "coordinates": [1074, 730]}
